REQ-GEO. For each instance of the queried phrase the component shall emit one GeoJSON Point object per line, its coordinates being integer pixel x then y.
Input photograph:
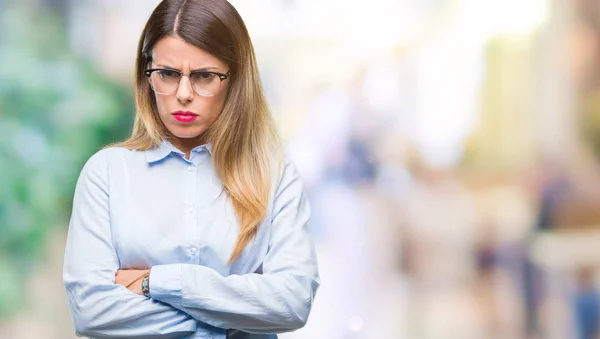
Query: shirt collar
{"type": "Point", "coordinates": [166, 148]}
{"type": "Point", "coordinates": [207, 147]}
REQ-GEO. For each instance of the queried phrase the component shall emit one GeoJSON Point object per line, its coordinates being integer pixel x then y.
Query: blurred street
{"type": "Point", "coordinates": [449, 149]}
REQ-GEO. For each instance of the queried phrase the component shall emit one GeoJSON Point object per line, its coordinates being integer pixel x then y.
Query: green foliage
{"type": "Point", "coordinates": [56, 109]}
{"type": "Point", "coordinates": [590, 121]}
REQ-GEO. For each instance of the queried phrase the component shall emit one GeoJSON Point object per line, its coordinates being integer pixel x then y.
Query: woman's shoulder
{"type": "Point", "coordinates": [107, 155]}
{"type": "Point", "coordinates": [284, 171]}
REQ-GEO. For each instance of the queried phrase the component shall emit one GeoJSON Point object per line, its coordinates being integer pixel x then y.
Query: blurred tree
{"type": "Point", "coordinates": [56, 109]}
{"type": "Point", "coordinates": [587, 33]}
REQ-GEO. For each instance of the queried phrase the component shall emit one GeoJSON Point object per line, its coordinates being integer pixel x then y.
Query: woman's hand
{"type": "Point", "coordinates": [132, 279]}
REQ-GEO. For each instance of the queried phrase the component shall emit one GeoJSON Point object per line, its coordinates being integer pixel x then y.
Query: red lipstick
{"type": "Point", "coordinates": [185, 116]}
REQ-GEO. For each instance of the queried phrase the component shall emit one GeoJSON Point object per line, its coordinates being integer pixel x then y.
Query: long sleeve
{"type": "Point", "coordinates": [278, 300]}
{"type": "Point", "coordinates": [99, 307]}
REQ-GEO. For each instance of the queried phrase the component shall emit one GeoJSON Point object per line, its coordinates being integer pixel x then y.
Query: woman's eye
{"type": "Point", "coordinates": [203, 76]}
{"type": "Point", "coordinates": [167, 74]}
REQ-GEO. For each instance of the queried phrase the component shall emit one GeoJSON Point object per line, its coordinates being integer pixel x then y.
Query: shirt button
{"type": "Point", "coordinates": [191, 168]}
{"type": "Point", "coordinates": [189, 209]}
{"type": "Point", "coordinates": [193, 250]}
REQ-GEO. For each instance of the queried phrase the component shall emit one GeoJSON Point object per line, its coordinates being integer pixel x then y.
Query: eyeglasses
{"type": "Point", "coordinates": [166, 81]}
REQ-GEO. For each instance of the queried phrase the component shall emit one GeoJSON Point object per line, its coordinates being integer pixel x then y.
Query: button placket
{"type": "Point", "coordinates": [189, 208]}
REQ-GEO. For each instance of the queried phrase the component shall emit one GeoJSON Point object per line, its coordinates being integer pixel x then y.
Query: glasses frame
{"type": "Point", "coordinates": [221, 76]}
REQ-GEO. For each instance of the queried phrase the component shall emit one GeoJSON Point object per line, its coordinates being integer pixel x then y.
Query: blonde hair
{"type": "Point", "coordinates": [243, 137]}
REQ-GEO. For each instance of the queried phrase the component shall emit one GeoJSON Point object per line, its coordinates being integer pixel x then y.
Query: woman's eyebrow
{"type": "Point", "coordinates": [165, 66]}
{"type": "Point", "coordinates": [203, 69]}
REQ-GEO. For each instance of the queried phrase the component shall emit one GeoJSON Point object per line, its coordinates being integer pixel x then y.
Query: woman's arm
{"type": "Point", "coordinates": [99, 307]}
{"type": "Point", "coordinates": [279, 300]}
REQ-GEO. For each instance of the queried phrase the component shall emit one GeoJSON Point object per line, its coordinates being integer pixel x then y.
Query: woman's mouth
{"type": "Point", "coordinates": [185, 117]}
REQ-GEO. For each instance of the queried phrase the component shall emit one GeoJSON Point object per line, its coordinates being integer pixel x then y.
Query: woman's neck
{"type": "Point", "coordinates": [187, 144]}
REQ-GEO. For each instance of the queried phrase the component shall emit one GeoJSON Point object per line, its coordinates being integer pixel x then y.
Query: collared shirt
{"type": "Point", "coordinates": [158, 210]}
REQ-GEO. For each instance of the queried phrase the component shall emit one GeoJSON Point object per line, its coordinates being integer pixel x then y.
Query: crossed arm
{"type": "Point", "coordinates": [183, 296]}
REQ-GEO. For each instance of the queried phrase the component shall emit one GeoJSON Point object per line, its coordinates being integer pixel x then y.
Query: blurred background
{"type": "Point", "coordinates": [450, 150]}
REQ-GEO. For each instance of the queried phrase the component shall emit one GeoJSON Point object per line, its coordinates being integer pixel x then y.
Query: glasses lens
{"type": "Point", "coordinates": [206, 84]}
{"type": "Point", "coordinates": [164, 81]}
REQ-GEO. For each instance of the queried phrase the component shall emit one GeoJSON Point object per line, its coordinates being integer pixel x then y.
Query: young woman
{"type": "Point", "coordinates": [195, 226]}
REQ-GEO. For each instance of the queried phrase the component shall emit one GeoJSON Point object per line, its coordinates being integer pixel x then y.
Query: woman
{"type": "Point", "coordinates": [193, 227]}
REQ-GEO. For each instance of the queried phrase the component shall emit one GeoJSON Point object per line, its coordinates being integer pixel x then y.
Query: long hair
{"type": "Point", "coordinates": [243, 137]}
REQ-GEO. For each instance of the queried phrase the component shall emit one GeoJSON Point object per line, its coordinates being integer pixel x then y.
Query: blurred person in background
{"type": "Point", "coordinates": [195, 226]}
{"type": "Point", "coordinates": [586, 305]}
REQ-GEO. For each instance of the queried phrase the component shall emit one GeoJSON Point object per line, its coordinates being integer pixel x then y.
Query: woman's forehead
{"type": "Point", "coordinates": [175, 52]}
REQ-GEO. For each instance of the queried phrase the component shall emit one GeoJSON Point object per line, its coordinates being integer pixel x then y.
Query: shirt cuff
{"type": "Point", "coordinates": [165, 284]}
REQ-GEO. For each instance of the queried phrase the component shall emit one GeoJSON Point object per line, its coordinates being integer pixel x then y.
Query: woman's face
{"type": "Point", "coordinates": [185, 113]}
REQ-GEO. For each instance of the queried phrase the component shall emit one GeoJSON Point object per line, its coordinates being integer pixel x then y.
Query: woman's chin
{"type": "Point", "coordinates": [186, 133]}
